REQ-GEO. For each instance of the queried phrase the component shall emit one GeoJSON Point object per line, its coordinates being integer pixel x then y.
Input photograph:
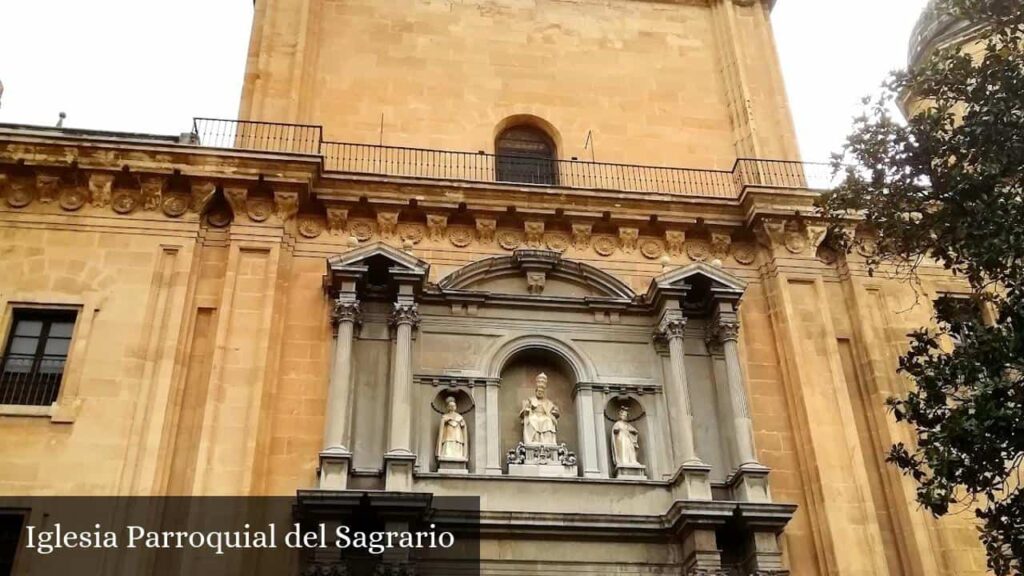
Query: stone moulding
{"type": "Point", "coordinates": [45, 176]}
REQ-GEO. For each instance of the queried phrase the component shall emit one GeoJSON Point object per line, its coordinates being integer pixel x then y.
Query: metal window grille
{"type": "Point", "coordinates": [32, 366]}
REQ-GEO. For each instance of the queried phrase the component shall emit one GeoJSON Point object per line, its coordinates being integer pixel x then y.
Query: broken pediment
{"type": "Point", "coordinates": [536, 273]}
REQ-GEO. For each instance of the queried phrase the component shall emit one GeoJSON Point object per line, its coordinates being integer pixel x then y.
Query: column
{"type": "Point", "coordinates": [692, 481]}
{"type": "Point", "coordinates": [400, 458]}
{"type": "Point", "coordinates": [726, 333]}
{"type": "Point", "coordinates": [335, 458]}
{"type": "Point", "coordinates": [750, 482]}
{"type": "Point", "coordinates": [671, 329]}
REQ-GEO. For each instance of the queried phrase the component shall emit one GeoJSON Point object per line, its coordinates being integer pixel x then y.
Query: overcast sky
{"type": "Point", "coordinates": [150, 66]}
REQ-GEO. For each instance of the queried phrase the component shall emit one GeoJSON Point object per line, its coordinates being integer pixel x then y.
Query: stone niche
{"type": "Point", "coordinates": [518, 383]}
{"type": "Point", "coordinates": [637, 416]}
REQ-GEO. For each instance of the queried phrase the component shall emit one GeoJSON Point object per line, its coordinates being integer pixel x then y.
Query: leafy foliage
{"type": "Point", "coordinates": [948, 186]}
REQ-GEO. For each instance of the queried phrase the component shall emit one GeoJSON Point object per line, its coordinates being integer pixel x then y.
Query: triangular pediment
{"type": "Point", "coordinates": [399, 261]}
{"type": "Point", "coordinates": [717, 280]}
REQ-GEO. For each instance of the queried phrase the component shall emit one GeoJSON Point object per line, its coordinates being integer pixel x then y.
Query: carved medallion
{"type": "Point", "coordinates": [509, 239]}
{"type": "Point", "coordinates": [259, 209]}
{"type": "Point", "coordinates": [744, 253]}
{"type": "Point", "coordinates": [604, 245]}
{"type": "Point", "coordinates": [796, 242]}
{"type": "Point", "coordinates": [698, 250]}
{"type": "Point", "coordinates": [175, 205]}
{"type": "Point", "coordinates": [71, 199]}
{"type": "Point", "coordinates": [123, 202]}
{"type": "Point", "coordinates": [651, 249]}
{"type": "Point", "coordinates": [310, 227]}
{"type": "Point", "coordinates": [410, 232]}
{"type": "Point", "coordinates": [558, 241]}
{"type": "Point", "coordinates": [18, 194]}
{"type": "Point", "coordinates": [460, 236]}
{"type": "Point", "coordinates": [218, 217]}
{"type": "Point", "coordinates": [361, 230]}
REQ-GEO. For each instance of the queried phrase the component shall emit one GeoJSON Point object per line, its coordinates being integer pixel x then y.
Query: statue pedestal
{"type": "Point", "coordinates": [452, 465]}
{"type": "Point", "coordinates": [631, 471]}
{"type": "Point", "coordinates": [544, 460]}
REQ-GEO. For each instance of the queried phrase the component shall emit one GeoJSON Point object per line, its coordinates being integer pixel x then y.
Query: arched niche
{"type": "Point", "coordinates": [640, 419]}
{"type": "Point", "coordinates": [518, 382]}
{"type": "Point", "coordinates": [466, 407]}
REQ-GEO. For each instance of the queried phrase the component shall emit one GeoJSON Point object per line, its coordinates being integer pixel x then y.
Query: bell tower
{"type": "Point", "coordinates": [664, 83]}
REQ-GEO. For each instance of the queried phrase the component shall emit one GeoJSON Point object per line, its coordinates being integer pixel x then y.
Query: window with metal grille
{"type": "Point", "coordinates": [33, 360]}
{"type": "Point", "coordinates": [526, 154]}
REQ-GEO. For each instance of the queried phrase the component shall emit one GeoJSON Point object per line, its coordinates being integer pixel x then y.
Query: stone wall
{"type": "Point", "coordinates": [687, 83]}
{"type": "Point", "coordinates": [202, 351]}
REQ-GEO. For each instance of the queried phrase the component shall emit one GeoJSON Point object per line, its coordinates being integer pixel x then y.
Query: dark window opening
{"type": "Point", "coordinates": [960, 315]}
{"type": "Point", "coordinates": [34, 357]}
{"type": "Point", "coordinates": [527, 155]}
{"type": "Point", "coordinates": [10, 533]}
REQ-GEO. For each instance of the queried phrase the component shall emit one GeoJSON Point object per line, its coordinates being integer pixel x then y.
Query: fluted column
{"type": "Point", "coordinates": [336, 458]}
{"type": "Point", "coordinates": [726, 331]}
{"type": "Point", "coordinates": [404, 317]}
{"type": "Point", "coordinates": [345, 316]}
{"type": "Point", "coordinates": [670, 330]}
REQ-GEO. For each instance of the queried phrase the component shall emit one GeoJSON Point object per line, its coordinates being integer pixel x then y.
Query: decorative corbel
{"type": "Point", "coordinates": [47, 187]}
{"type": "Point", "coordinates": [720, 244]}
{"type": "Point", "coordinates": [534, 233]}
{"type": "Point", "coordinates": [237, 198]}
{"type": "Point", "coordinates": [337, 220]}
{"type": "Point", "coordinates": [581, 235]}
{"type": "Point", "coordinates": [675, 240]}
{"type": "Point", "coordinates": [387, 224]}
{"type": "Point", "coordinates": [152, 191]}
{"type": "Point", "coordinates": [771, 232]}
{"type": "Point", "coordinates": [485, 228]}
{"type": "Point", "coordinates": [286, 204]}
{"type": "Point", "coordinates": [628, 238]}
{"type": "Point", "coordinates": [202, 193]}
{"type": "Point", "coordinates": [436, 226]}
{"type": "Point", "coordinates": [100, 186]}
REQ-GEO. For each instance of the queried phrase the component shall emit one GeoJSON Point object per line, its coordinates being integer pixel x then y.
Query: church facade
{"type": "Point", "coordinates": [445, 252]}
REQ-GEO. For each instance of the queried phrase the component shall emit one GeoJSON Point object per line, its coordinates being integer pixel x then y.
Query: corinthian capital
{"type": "Point", "coordinates": [405, 314]}
{"type": "Point", "coordinates": [724, 330]}
{"type": "Point", "coordinates": [670, 328]}
{"type": "Point", "coordinates": [346, 311]}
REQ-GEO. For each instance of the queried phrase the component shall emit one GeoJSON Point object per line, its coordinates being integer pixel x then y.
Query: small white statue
{"type": "Point", "coordinates": [452, 437]}
{"type": "Point", "coordinates": [625, 440]}
{"type": "Point", "coordinates": [539, 415]}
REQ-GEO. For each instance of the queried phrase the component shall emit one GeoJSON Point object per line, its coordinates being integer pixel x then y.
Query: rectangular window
{"type": "Point", "coordinates": [34, 357]}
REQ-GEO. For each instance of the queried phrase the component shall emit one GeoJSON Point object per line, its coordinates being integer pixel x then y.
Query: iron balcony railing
{"type": "Point", "coordinates": [345, 157]}
{"type": "Point", "coordinates": [29, 380]}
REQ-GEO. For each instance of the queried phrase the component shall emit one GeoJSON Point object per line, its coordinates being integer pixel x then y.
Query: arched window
{"type": "Point", "coordinates": [525, 154]}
